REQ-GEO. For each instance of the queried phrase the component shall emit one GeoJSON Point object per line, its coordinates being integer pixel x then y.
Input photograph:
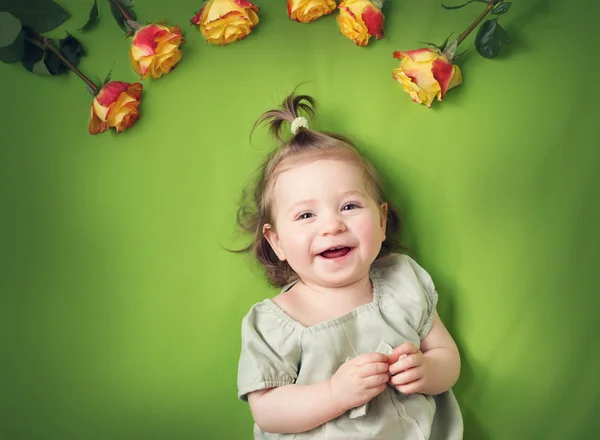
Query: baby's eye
{"type": "Point", "coordinates": [304, 216]}
{"type": "Point", "coordinates": [349, 206]}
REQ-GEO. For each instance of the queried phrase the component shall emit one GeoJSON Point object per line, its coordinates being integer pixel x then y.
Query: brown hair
{"type": "Point", "coordinates": [305, 146]}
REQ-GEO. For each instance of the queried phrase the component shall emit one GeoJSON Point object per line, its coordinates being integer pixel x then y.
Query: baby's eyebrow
{"type": "Point", "coordinates": [295, 206]}
{"type": "Point", "coordinates": [353, 192]}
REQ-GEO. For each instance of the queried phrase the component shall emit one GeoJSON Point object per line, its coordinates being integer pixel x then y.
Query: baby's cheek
{"type": "Point", "coordinates": [369, 231]}
{"type": "Point", "coordinates": [297, 244]}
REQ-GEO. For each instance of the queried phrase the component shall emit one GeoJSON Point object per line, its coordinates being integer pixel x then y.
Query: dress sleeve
{"type": "Point", "coordinates": [408, 293]}
{"type": "Point", "coordinates": [270, 354]}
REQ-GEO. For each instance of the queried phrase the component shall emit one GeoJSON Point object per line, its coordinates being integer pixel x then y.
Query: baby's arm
{"type": "Point", "coordinates": [293, 408]}
{"type": "Point", "coordinates": [431, 370]}
{"type": "Point", "coordinates": [297, 408]}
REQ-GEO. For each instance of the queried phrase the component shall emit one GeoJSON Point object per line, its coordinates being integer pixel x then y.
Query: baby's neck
{"type": "Point", "coordinates": [354, 292]}
{"type": "Point", "coordinates": [311, 304]}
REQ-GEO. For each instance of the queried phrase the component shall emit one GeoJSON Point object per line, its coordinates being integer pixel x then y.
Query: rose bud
{"type": "Point", "coordinates": [226, 21]}
{"type": "Point", "coordinates": [115, 105]}
{"type": "Point", "coordinates": [306, 11]}
{"type": "Point", "coordinates": [360, 20]}
{"type": "Point", "coordinates": [155, 50]}
{"type": "Point", "coordinates": [426, 74]}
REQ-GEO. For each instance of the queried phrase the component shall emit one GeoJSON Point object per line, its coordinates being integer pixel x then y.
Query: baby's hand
{"type": "Point", "coordinates": [408, 368]}
{"type": "Point", "coordinates": [359, 380]}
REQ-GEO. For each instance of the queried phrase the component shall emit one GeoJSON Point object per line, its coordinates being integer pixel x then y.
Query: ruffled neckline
{"type": "Point", "coordinates": [280, 313]}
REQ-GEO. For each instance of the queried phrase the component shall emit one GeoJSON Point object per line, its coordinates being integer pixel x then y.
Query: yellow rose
{"type": "Point", "coordinates": [306, 11]}
{"type": "Point", "coordinates": [226, 21]}
{"type": "Point", "coordinates": [155, 50]}
{"type": "Point", "coordinates": [116, 105]}
{"type": "Point", "coordinates": [425, 74]}
{"type": "Point", "coordinates": [359, 20]}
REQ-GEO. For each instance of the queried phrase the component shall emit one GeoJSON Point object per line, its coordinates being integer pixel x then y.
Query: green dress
{"type": "Point", "coordinates": [277, 350]}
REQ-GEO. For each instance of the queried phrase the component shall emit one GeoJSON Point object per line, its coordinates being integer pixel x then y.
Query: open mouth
{"type": "Point", "coordinates": [336, 252]}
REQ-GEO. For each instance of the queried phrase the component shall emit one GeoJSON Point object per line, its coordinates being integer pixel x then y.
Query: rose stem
{"type": "Point", "coordinates": [122, 10]}
{"type": "Point", "coordinates": [485, 12]}
{"type": "Point", "coordinates": [48, 43]}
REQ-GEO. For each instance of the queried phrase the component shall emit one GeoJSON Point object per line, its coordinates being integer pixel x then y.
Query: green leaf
{"type": "Point", "coordinates": [501, 8]}
{"type": "Point", "coordinates": [439, 48]}
{"type": "Point", "coordinates": [11, 38]}
{"type": "Point", "coordinates": [450, 50]}
{"type": "Point", "coordinates": [427, 43]}
{"type": "Point", "coordinates": [458, 6]}
{"type": "Point", "coordinates": [34, 54]}
{"type": "Point", "coordinates": [71, 48]}
{"type": "Point", "coordinates": [40, 68]}
{"type": "Point", "coordinates": [445, 43]}
{"type": "Point", "coordinates": [460, 55]}
{"type": "Point", "coordinates": [14, 52]}
{"type": "Point", "coordinates": [127, 6]}
{"type": "Point", "coordinates": [40, 15]}
{"type": "Point", "coordinates": [93, 19]}
{"type": "Point", "coordinates": [107, 78]}
{"type": "Point", "coordinates": [489, 38]}
{"type": "Point", "coordinates": [503, 34]}
{"type": "Point", "coordinates": [42, 61]}
{"type": "Point", "coordinates": [10, 26]}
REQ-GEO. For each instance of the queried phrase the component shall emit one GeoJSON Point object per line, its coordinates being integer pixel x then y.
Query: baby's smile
{"type": "Point", "coordinates": [336, 253]}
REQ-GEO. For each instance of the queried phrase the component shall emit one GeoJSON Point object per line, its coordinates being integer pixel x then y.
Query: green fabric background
{"type": "Point", "coordinates": [121, 310]}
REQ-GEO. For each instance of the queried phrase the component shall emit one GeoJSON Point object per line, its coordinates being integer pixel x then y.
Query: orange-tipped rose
{"type": "Point", "coordinates": [226, 21]}
{"type": "Point", "coordinates": [425, 74]}
{"type": "Point", "coordinates": [155, 50]}
{"type": "Point", "coordinates": [116, 105]}
{"type": "Point", "coordinates": [306, 11]}
{"type": "Point", "coordinates": [360, 20]}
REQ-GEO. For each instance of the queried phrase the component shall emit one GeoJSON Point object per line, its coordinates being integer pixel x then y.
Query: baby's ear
{"type": "Point", "coordinates": [383, 219]}
{"type": "Point", "coordinates": [273, 239]}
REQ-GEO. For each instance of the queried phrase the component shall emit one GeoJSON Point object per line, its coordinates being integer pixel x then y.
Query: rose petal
{"type": "Point", "coordinates": [135, 90]}
{"type": "Point", "coordinates": [164, 39]}
{"type": "Point", "coordinates": [120, 109]}
{"type": "Point", "coordinates": [245, 4]}
{"type": "Point", "coordinates": [373, 19]}
{"type": "Point", "coordinates": [144, 41]}
{"type": "Point", "coordinates": [128, 120]}
{"type": "Point", "coordinates": [198, 17]}
{"type": "Point", "coordinates": [216, 9]}
{"type": "Point", "coordinates": [144, 65]}
{"type": "Point", "coordinates": [225, 21]}
{"type": "Point", "coordinates": [417, 55]}
{"type": "Point", "coordinates": [96, 125]}
{"type": "Point", "coordinates": [172, 35]}
{"type": "Point", "coordinates": [232, 27]}
{"type": "Point", "coordinates": [442, 72]}
{"type": "Point", "coordinates": [306, 11]}
{"type": "Point", "coordinates": [352, 27]}
{"type": "Point", "coordinates": [456, 77]}
{"type": "Point", "coordinates": [348, 11]}
{"type": "Point", "coordinates": [110, 92]}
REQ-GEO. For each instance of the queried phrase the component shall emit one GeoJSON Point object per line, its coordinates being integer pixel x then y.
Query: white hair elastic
{"type": "Point", "coordinates": [300, 121]}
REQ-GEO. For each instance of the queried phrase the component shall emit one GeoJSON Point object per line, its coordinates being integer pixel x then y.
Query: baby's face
{"type": "Point", "coordinates": [326, 224]}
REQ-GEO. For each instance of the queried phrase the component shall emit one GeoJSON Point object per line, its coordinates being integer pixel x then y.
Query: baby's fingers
{"type": "Point", "coordinates": [376, 381]}
{"type": "Point", "coordinates": [374, 369]}
{"type": "Point", "coordinates": [414, 360]}
{"type": "Point", "coordinates": [407, 376]}
{"type": "Point", "coordinates": [413, 387]}
{"type": "Point", "coordinates": [369, 358]}
{"type": "Point", "coordinates": [407, 348]}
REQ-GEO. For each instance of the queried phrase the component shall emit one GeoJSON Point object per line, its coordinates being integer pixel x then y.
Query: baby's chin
{"type": "Point", "coordinates": [341, 279]}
